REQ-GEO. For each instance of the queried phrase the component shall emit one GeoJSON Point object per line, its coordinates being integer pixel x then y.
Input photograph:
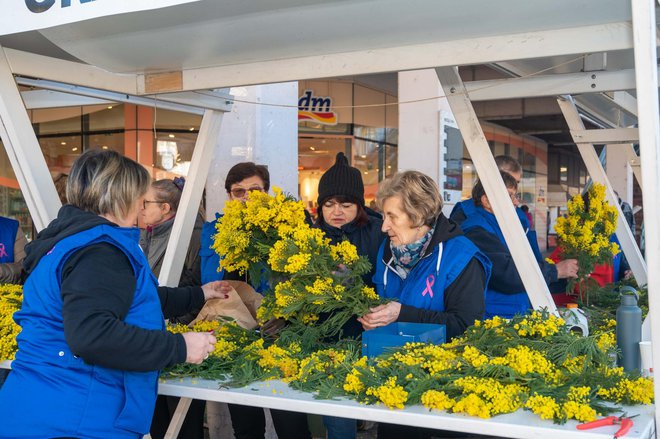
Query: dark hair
{"type": "Point", "coordinates": [478, 190]}
{"type": "Point", "coordinates": [168, 191]}
{"type": "Point", "coordinates": [361, 218]}
{"type": "Point", "coordinates": [524, 208]}
{"type": "Point", "coordinates": [241, 171]}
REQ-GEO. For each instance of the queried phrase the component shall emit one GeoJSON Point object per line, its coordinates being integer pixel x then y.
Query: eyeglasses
{"type": "Point", "coordinates": [333, 204]}
{"type": "Point", "coordinates": [145, 202]}
{"type": "Point", "coordinates": [239, 192]}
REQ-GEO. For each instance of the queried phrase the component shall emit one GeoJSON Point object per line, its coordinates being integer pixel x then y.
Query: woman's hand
{"type": "Point", "coordinates": [216, 290]}
{"type": "Point", "coordinates": [273, 326]}
{"type": "Point", "coordinates": [567, 269]}
{"type": "Point", "coordinates": [198, 346]}
{"type": "Point", "coordinates": [380, 315]}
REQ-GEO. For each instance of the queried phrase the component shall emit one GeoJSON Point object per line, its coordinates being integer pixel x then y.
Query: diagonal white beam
{"type": "Point", "coordinates": [190, 199]}
{"type": "Point", "coordinates": [606, 136]}
{"type": "Point", "coordinates": [623, 100]}
{"type": "Point", "coordinates": [39, 66]}
{"type": "Point", "coordinates": [175, 101]}
{"type": "Point", "coordinates": [597, 174]}
{"type": "Point", "coordinates": [633, 160]}
{"type": "Point", "coordinates": [24, 151]}
{"type": "Point", "coordinates": [551, 85]}
{"type": "Point", "coordinates": [37, 99]}
{"type": "Point", "coordinates": [484, 162]}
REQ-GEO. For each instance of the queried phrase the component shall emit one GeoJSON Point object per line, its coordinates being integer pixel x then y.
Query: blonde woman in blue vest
{"type": "Point", "coordinates": [93, 336]}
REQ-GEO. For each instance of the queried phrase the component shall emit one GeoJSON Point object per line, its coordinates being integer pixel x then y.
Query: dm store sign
{"type": "Point", "coordinates": [316, 109]}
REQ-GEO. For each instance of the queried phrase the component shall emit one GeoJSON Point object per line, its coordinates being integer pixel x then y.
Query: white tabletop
{"type": "Point", "coordinates": [521, 424]}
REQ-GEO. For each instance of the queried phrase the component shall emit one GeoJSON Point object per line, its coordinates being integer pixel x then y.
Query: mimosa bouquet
{"type": "Point", "coordinates": [313, 285]}
{"type": "Point", "coordinates": [585, 235]}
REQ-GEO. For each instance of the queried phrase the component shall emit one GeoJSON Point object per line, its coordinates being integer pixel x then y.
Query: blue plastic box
{"type": "Point", "coordinates": [374, 342]}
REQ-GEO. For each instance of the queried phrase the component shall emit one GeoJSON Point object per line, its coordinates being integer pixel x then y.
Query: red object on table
{"type": "Point", "coordinates": [625, 422]}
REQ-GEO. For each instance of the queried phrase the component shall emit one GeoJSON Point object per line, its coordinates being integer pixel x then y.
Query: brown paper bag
{"type": "Point", "coordinates": [241, 305]}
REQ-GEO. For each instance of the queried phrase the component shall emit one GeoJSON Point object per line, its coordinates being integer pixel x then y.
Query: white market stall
{"type": "Point", "coordinates": [167, 51]}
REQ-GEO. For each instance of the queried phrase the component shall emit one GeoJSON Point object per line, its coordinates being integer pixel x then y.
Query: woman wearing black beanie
{"type": "Point", "coordinates": [343, 216]}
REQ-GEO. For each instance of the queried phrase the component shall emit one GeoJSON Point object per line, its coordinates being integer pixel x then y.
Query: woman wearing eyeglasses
{"type": "Point", "coordinates": [241, 179]}
{"type": "Point", "coordinates": [159, 209]}
{"type": "Point", "coordinates": [248, 422]}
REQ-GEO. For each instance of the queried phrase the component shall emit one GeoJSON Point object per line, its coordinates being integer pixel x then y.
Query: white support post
{"type": "Point", "coordinates": [498, 196]}
{"type": "Point", "coordinates": [177, 418]}
{"type": "Point", "coordinates": [646, 78]}
{"type": "Point", "coordinates": [175, 254]}
{"type": "Point", "coordinates": [597, 174]}
{"type": "Point", "coordinates": [24, 151]}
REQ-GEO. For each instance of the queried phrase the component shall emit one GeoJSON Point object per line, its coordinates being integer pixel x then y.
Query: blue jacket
{"type": "Point", "coordinates": [466, 208]}
{"type": "Point", "coordinates": [443, 267]}
{"type": "Point", "coordinates": [497, 302]}
{"type": "Point", "coordinates": [8, 229]}
{"type": "Point", "coordinates": [210, 260]}
{"type": "Point", "coordinates": [53, 393]}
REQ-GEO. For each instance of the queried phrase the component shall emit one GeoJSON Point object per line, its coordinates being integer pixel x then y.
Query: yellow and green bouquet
{"type": "Point", "coordinates": [11, 298]}
{"type": "Point", "coordinates": [313, 285]}
{"type": "Point", "coordinates": [585, 235]}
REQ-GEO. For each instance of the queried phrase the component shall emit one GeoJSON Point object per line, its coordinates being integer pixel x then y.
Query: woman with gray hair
{"type": "Point", "coordinates": [93, 337]}
{"type": "Point", "coordinates": [435, 274]}
{"type": "Point", "coordinates": [430, 270]}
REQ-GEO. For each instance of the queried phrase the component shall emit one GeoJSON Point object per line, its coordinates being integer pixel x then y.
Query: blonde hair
{"type": "Point", "coordinates": [105, 182]}
{"type": "Point", "coordinates": [419, 194]}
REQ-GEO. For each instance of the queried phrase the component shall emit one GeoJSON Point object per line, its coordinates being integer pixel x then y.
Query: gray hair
{"type": "Point", "coordinates": [419, 194]}
{"type": "Point", "coordinates": [105, 182]}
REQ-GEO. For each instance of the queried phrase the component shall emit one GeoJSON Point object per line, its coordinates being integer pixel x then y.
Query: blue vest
{"type": "Point", "coordinates": [425, 285]}
{"type": "Point", "coordinates": [497, 303]}
{"type": "Point", "coordinates": [8, 229]}
{"type": "Point", "coordinates": [209, 259]}
{"type": "Point", "coordinates": [616, 260]}
{"type": "Point", "coordinates": [53, 393]}
{"type": "Point", "coordinates": [468, 208]}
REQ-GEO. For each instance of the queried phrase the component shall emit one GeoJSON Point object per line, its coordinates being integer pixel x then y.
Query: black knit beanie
{"type": "Point", "coordinates": [341, 180]}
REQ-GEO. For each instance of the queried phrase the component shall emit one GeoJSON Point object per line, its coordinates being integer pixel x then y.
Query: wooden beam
{"type": "Point", "coordinates": [476, 143]}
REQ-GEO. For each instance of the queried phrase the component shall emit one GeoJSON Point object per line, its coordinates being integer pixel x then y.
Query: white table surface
{"type": "Point", "coordinates": [521, 424]}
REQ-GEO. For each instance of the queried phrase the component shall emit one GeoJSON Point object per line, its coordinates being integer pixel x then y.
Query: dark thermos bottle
{"type": "Point", "coordinates": [629, 330]}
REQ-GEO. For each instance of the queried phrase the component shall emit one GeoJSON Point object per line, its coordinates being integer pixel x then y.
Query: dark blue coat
{"type": "Point", "coordinates": [498, 303]}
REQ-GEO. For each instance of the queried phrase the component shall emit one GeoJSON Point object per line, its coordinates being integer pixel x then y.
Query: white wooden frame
{"type": "Point", "coordinates": [42, 201]}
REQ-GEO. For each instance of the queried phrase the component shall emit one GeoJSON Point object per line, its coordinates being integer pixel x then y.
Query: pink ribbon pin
{"type": "Point", "coordinates": [430, 280]}
{"type": "Point", "coordinates": [3, 252]}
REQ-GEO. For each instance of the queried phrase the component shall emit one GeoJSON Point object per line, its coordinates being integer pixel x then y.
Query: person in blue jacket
{"type": "Point", "coordinates": [506, 295]}
{"type": "Point", "coordinates": [465, 208]}
{"type": "Point", "coordinates": [248, 422]}
{"type": "Point", "coordinates": [433, 273]}
{"type": "Point", "coordinates": [93, 336]}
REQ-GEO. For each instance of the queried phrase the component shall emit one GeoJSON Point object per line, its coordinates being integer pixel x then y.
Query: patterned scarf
{"type": "Point", "coordinates": [406, 256]}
